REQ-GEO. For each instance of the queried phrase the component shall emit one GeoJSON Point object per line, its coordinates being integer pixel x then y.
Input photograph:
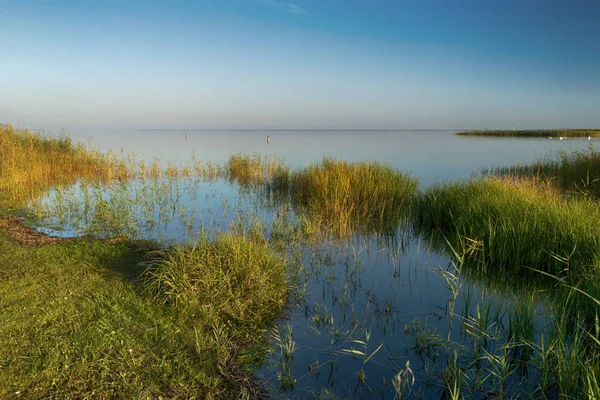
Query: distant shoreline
{"type": "Point", "coordinates": [301, 130]}
{"type": "Point", "coordinates": [550, 133]}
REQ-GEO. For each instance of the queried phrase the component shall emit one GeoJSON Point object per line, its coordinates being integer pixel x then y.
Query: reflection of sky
{"type": "Point", "coordinates": [430, 156]}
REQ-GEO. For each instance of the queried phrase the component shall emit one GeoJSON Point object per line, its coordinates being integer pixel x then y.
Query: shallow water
{"type": "Point", "coordinates": [353, 298]}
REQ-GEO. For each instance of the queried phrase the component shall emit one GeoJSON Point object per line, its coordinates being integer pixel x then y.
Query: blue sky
{"type": "Point", "coordinates": [300, 64]}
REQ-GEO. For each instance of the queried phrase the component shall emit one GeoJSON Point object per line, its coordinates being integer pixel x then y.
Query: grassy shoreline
{"type": "Point", "coordinates": [82, 318]}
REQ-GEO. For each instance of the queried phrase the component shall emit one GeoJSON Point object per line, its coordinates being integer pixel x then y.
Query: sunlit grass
{"type": "Point", "coordinates": [31, 163]}
{"type": "Point", "coordinates": [573, 173]}
{"type": "Point", "coordinates": [253, 169]}
{"type": "Point", "coordinates": [76, 324]}
{"type": "Point", "coordinates": [233, 279]}
{"type": "Point", "coordinates": [351, 197]}
{"type": "Point", "coordinates": [518, 224]}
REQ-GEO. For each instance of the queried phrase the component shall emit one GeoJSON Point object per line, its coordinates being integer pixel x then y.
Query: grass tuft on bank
{"type": "Point", "coordinates": [229, 280]}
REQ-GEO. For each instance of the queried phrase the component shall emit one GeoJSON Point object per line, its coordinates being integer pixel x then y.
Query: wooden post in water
{"type": "Point", "coordinates": [268, 139]}
{"type": "Point", "coordinates": [186, 136]}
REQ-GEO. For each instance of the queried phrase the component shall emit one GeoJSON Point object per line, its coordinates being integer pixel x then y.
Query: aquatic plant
{"type": "Point", "coordinates": [516, 224]}
{"type": "Point", "coordinates": [524, 351]}
{"type": "Point", "coordinates": [253, 169]}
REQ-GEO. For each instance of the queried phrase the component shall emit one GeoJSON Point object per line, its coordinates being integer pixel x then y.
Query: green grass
{"type": "Point", "coordinates": [230, 280]}
{"type": "Point", "coordinates": [80, 320]}
{"type": "Point", "coordinates": [75, 325]}
{"type": "Point", "coordinates": [351, 197]}
{"type": "Point", "coordinates": [542, 133]}
{"type": "Point", "coordinates": [516, 224]}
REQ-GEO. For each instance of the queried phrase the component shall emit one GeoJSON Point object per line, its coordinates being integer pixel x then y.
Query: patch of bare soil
{"type": "Point", "coordinates": [28, 236]}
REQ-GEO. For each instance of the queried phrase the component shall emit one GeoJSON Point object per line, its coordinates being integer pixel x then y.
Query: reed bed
{"type": "Point", "coordinates": [30, 163]}
{"type": "Point", "coordinates": [347, 197]}
{"type": "Point", "coordinates": [515, 224]}
{"type": "Point", "coordinates": [541, 133]}
{"type": "Point", "coordinates": [231, 280]}
{"type": "Point", "coordinates": [574, 173]}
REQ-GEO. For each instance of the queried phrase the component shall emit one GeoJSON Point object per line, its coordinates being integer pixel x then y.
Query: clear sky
{"type": "Point", "coordinates": [300, 64]}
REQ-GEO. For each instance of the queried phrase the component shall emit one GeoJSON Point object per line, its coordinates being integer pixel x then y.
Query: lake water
{"type": "Point", "coordinates": [360, 305]}
{"type": "Point", "coordinates": [432, 156]}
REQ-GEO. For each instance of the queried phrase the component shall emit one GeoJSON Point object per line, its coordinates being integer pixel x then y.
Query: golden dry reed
{"type": "Point", "coordinates": [30, 163]}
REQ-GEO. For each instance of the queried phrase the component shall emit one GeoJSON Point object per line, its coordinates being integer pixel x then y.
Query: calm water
{"type": "Point", "coordinates": [430, 156]}
{"type": "Point", "coordinates": [364, 295]}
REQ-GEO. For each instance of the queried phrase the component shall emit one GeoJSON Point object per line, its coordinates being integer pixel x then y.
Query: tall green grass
{"type": "Point", "coordinates": [347, 197]}
{"type": "Point", "coordinates": [237, 281]}
{"type": "Point", "coordinates": [516, 224]}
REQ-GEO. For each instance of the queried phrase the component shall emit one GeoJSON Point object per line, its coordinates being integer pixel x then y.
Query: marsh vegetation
{"type": "Point", "coordinates": [337, 279]}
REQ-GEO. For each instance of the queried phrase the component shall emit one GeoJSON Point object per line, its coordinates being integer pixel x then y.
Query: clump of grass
{"type": "Point", "coordinates": [30, 163]}
{"type": "Point", "coordinates": [231, 285]}
{"type": "Point", "coordinates": [347, 197]}
{"type": "Point", "coordinates": [231, 279]}
{"type": "Point", "coordinates": [576, 132]}
{"type": "Point", "coordinates": [517, 224]}
{"type": "Point", "coordinates": [253, 169]}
